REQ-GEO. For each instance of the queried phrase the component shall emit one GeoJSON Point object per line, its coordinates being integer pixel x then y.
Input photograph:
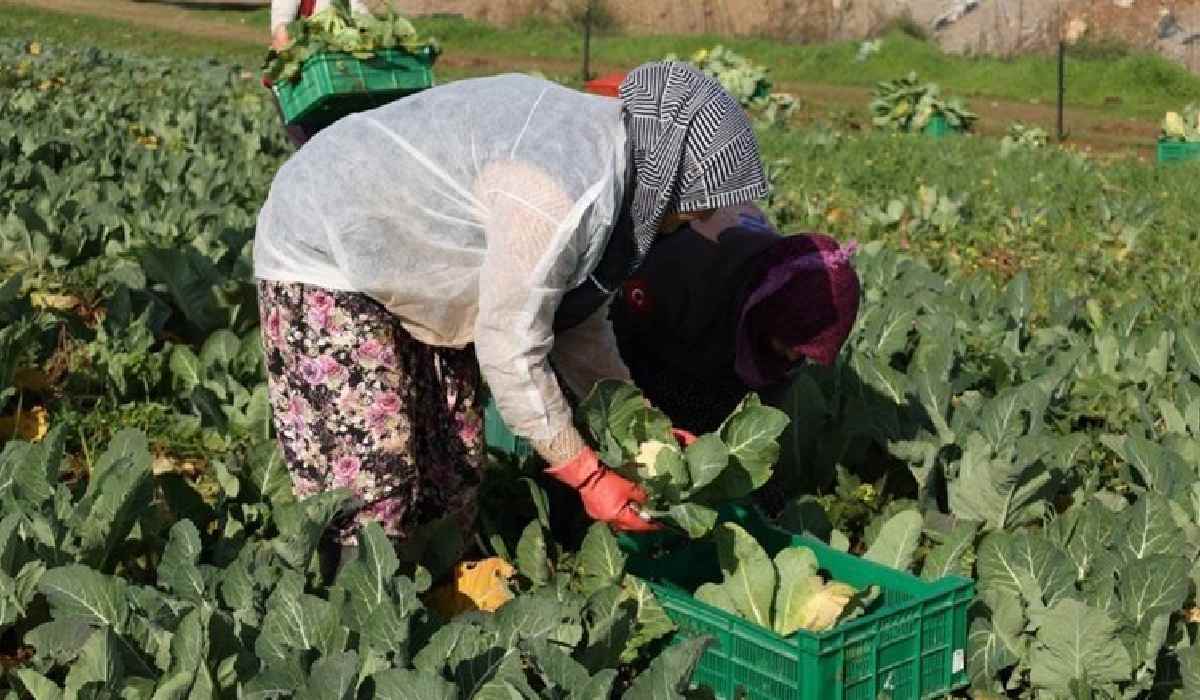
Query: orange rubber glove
{"type": "Point", "coordinates": [606, 495]}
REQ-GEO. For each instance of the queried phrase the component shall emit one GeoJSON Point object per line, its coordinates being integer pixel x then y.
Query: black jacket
{"type": "Point", "coordinates": [676, 319]}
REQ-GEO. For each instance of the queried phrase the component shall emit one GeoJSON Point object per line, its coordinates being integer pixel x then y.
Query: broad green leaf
{"type": "Point", "coordinates": [695, 519]}
{"type": "Point", "coordinates": [532, 559]}
{"type": "Point", "coordinates": [880, 376]}
{"type": "Point", "coordinates": [601, 562]}
{"type": "Point", "coordinates": [1025, 565]}
{"type": "Point", "coordinates": [1002, 419]}
{"type": "Point", "coordinates": [598, 686]}
{"type": "Point", "coordinates": [1155, 586]}
{"type": "Point", "coordinates": [38, 686]}
{"type": "Point", "coordinates": [706, 458]}
{"type": "Point", "coordinates": [128, 446]}
{"type": "Point", "coordinates": [557, 667]}
{"type": "Point", "coordinates": [1189, 667]}
{"type": "Point", "coordinates": [1077, 643]}
{"type": "Point", "coordinates": [716, 595]}
{"type": "Point", "coordinates": [751, 434]}
{"type": "Point", "coordinates": [29, 471]}
{"type": "Point", "coordinates": [651, 622]}
{"type": "Point", "coordinates": [946, 559]}
{"type": "Point", "coordinates": [1145, 642]}
{"type": "Point", "coordinates": [798, 582]}
{"type": "Point", "coordinates": [60, 640]}
{"type": "Point", "coordinates": [121, 489]}
{"type": "Point", "coordinates": [610, 409]}
{"type": "Point", "coordinates": [540, 615]}
{"type": "Point", "coordinates": [1017, 299]}
{"type": "Point", "coordinates": [934, 395]}
{"type": "Point", "coordinates": [1085, 533]}
{"type": "Point", "coordinates": [1160, 469]}
{"type": "Point", "coordinates": [668, 676]}
{"type": "Point", "coordinates": [276, 681]}
{"type": "Point", "coordinates": [302, 524]}
{"type": "Point", "coordinates": [77, 591]}
{"type": "Point", "coordinates": [220, 350]}
{"type": "Point", "coordinates": [269, 477]}
{"type": "Point", "coordinates": [332, 678]}
{"type": "Point", "coordinates": [1187, 347]}
{"type": "Point", "coordinates": [297, 622]}
{"type": "Point", "coordinates": [99, 663]}
{"type": "Point", "coordinates": [750, 577]}
{"type": "Point", "coordinates": [407, 684]}
{"type": "Point", "coordinates": [367, 579]}
{"type": "Point", "coordinates": [191, 280]}
{"type": "Point", "coordinates": [609, 620]}
{"type": "Point", "coordinates": [185, 368]}
{"type": "Point", "coordinates": [995, 642]}
{"type": "Point", "coordinates": [1148, 529]}
{"type": "Point", "coordinates": [507, 682]}
{"type": "Point", "coordinates": [177, 570]}
{"type": "Point", "coordinates": [997, 491]}
{"type": "Point", "coordinates": [897, 542]}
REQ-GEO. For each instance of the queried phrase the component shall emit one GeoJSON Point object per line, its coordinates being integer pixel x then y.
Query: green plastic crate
{"type": "Point", "coordinates": [938, 127]}
{"type": "Point", "coordinates": [911, 645]}
{"type": "Point", "coordinates": [498, 437]}
{"type": "Point", "coordinates": [332, 85]}
{"type": "Point", "coordinates": [1175, 152]}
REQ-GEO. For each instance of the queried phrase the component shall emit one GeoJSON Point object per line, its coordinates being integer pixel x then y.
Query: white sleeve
{"type": "Point", "coordinates": [284, 12]}
{"type": "Point", "coordinates": [527, 269]}
{"type": "Point", "coordinates": [588, 353]}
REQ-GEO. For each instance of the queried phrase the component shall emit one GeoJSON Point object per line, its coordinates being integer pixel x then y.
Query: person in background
{"type": "Point", "coordinates": [726, 306]}
{"type": "Point", "coordinates": [475, 232]}
{"type": "Point", "coordinates": [284, 12]}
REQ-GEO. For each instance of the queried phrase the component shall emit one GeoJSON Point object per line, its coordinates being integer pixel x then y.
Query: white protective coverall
{"type": "Point", "coordinates": [467, 210]}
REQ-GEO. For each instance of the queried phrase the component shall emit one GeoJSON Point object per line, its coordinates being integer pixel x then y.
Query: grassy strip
{"type": "Point", "coordinates": [1146, 84]}
{"type": "Point", "coordinates": [24, 22]}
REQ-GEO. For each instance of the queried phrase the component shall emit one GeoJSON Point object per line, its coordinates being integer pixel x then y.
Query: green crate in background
{"type": "Point", "coordinates": [912, 645]}
{"type": "Point", "coordinates": [937, 127]}
{"type": "Point", "coordinates": [1176, 151]}
{"type": "Point", "coordinates": [332, 85]}
{"type": "Point", "coordinates": [498, 437]}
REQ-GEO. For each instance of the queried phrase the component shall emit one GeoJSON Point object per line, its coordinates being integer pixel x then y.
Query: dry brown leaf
{"type": "Point", "coordinates": [31, 425]}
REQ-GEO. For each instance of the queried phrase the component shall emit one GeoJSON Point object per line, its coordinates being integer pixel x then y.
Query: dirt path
{"type": "Point", "coordinates": [1086, 127]}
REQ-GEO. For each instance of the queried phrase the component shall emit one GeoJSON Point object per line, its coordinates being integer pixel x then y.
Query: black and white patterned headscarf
{"type": "Point", "coordinates": [692, 144]}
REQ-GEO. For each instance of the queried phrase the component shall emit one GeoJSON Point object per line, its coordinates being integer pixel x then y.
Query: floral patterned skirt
{"type": "Point", "coordinates": [359, 404]}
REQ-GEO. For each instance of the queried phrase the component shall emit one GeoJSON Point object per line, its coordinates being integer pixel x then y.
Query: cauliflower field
{"type": "Point", "coordinates": [1019, 404]}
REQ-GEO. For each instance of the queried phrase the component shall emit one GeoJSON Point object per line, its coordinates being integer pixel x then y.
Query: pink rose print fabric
{"type": "Point", "coordinates": [358, 404]}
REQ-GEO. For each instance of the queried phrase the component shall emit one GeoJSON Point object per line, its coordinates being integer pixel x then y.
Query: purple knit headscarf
{"type": "Point", "coordinates": [806, 296]}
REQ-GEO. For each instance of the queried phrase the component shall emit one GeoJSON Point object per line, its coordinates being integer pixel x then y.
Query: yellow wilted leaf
{"type": "Point", "coordinates": [31, 425]}
{"type": "Point", "coordinates": [34, 48]}
{"type": "Point", "coordinates": [61, 302]}
{"type": "Point", "coordinates": [825, 606]}
{"type": "Point", "coordinates": [479, 585]}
